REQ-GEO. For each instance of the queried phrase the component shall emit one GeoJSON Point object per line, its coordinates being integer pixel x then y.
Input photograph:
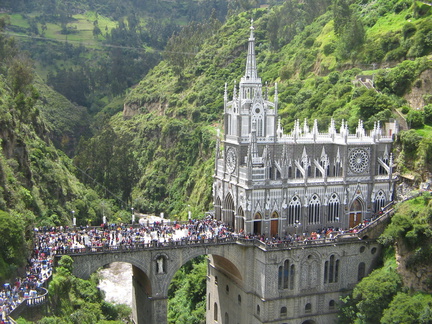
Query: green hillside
{"type": "Point", "coordinates": [38, 185]}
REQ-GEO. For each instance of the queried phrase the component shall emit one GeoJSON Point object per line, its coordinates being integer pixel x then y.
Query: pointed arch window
{"type": "Point", "coordinates": [215, 312]}
{"type": "Point", "coordinates": [333, 208]}
{"type": "Point", "coordinates": [294, 209]}
{"type": "Point", "coordinates": [380, 201]}
{"type": "Point", "coordinates": [381, 169]}
{"type": "Point", "coordinates": [286, 275]}
{"type": "Point", "coordinates": [260, 128]}
{"type": "Point", "coordinates": [331, 270]}
{"type": "Point", "coordinates": [337, 169]}
{"type": "Point", "coordinates": [314, 209]}
{"type": "Point", "coordinates": [324, 162]}
{"type": "Point", "coordinates": [290, 172]}
{"type": "Point", "coordinates": [317, 172]}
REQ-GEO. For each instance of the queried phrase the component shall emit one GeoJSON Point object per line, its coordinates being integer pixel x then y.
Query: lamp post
{"type": "Point", "coordinates": [104, 219]}
{"type": "Point", "coordinates": [73, 218]}
{"type": "Point", "coordinates": [133, 216]}
{"type": "Point", "coordinates": [297, 224]}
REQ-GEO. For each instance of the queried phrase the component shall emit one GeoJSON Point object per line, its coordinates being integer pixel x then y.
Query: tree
{"type": "Point", "coordinates": [20, 74]}
{"type": "Point", "coordinates": [341, 15]}
{"type": "Point", "coordinates": [375, 292]}
{"type": "Point", "coordinates": [371, 103]}
{"type": "Point", "coordinates": [351, 38]}
{"type": "Point", "coordinates": [12, 243]}
{"type": "Point", "coordinates": [410, 141]}
{"type": "Point", "coordinates": [408, 309]}
{"type": "Point", "coordinates": [415, 119]}
{"type": "Point", "coordinates": [427, 113]}
{"type": "Point", "coordinates": [96, 29]}
{"type": "Point", "coordinates": [187, 293]}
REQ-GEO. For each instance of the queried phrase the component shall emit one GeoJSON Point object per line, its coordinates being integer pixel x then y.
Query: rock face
{"type": "Point", "coordinates": [421, 87]}
{"type": "Point", "coordinates": [414, 276]}
{"type": "Point", "coordinates": [134, 108]}
{"type": "Point", "coordinates": [130, 110]}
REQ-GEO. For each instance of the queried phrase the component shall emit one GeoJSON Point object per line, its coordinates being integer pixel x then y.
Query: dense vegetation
{"type": "Point", "coordinates": [160, 158]}
{"type": "Point", "coordinates": [187, 293]}
{"type": "Point", "coordinates": [388, 294]}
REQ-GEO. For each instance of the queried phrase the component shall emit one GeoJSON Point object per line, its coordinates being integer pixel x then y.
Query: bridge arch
{"type": "Point", "coordinates": [86, 264]}
{"type": "Point", "coordinates": [154, 268]}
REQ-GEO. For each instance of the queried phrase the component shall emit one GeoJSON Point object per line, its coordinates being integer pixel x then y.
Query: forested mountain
{"type": "Point", "coordinates": [38, 185]}
{"type": "Point", "coordinates": [150, 144]}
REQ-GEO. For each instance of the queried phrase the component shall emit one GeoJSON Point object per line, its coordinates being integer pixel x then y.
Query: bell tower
{"type": "Point", "coordinates": [249, 104]}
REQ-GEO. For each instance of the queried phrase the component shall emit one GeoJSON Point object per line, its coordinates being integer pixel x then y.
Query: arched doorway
{"type": "Point", "coordinates": [257, 224]}
{"type": "Point", "coordinates": [228, 211]}
{"type": "Point", "coordinates": [356, 212]}
{"type": "Point", "coordinates": [274, 228]}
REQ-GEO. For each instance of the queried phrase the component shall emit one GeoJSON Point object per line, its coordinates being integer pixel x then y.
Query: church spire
{"type": "Point", "coordinates": [251, 69]}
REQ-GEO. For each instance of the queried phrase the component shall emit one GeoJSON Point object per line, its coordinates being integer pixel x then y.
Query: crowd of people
{"type": "Point", "coordinates": [37, 272]}
{"type": "Point", "coordinates": [159, 233]}
{"type": "Point", "coordinates": [63, 240]}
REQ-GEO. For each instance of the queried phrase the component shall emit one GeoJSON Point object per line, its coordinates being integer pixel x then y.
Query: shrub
{"type": "Point", "coordinates": [402, 6]}
{"type": "Point", "coordinates": [309, 42]}
{"type": "Point", "coordinates": [329, 48]}
{"type": "Point", "coordinates": [421, 9]}
{"type": "Point", "coordinates": [408, 30]}
{"type": "Point", "coordinates": [427, 114]}
{"type": "Point", "coordinates": [408, 309]}
{"type": "Point", "coordinates": [415, 119]}
{"type": "Point", "coordinates": [396, 54]}
{"type": "Point", "coordinates": [410, 141]}
{"type": "Point", "coordinates": [334, 77]}
{"type": "Point", "coordinates": [285, 72]}
{"type": "Point", "coordinates": [405, 110]}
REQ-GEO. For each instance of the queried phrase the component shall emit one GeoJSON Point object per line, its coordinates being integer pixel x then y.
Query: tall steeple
{"type": "Point", "coordinates": [251, 69]}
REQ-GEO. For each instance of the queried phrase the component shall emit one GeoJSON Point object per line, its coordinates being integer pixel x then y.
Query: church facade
{"type": "Point", "coordinates": [268, 182]}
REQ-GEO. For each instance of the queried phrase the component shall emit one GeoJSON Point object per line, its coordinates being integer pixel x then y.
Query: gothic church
{"type": "Point", "coordinates": [270, 183]}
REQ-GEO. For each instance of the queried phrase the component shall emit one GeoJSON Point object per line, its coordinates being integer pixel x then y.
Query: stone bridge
{"type": "Point", "coordinates": [322, 271]}
{"type": "Point", "coordinates": [154, 266]}
{"type": "Point", "coordinates": [245, 263]}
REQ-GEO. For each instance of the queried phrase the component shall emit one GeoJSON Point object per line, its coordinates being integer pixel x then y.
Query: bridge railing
{"type": "Point", "coordinates": [243, 240]}
{"type": "Point", "coordinates": [40, 299]}
{"type": "Point", "coordinates": [151, 245]}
